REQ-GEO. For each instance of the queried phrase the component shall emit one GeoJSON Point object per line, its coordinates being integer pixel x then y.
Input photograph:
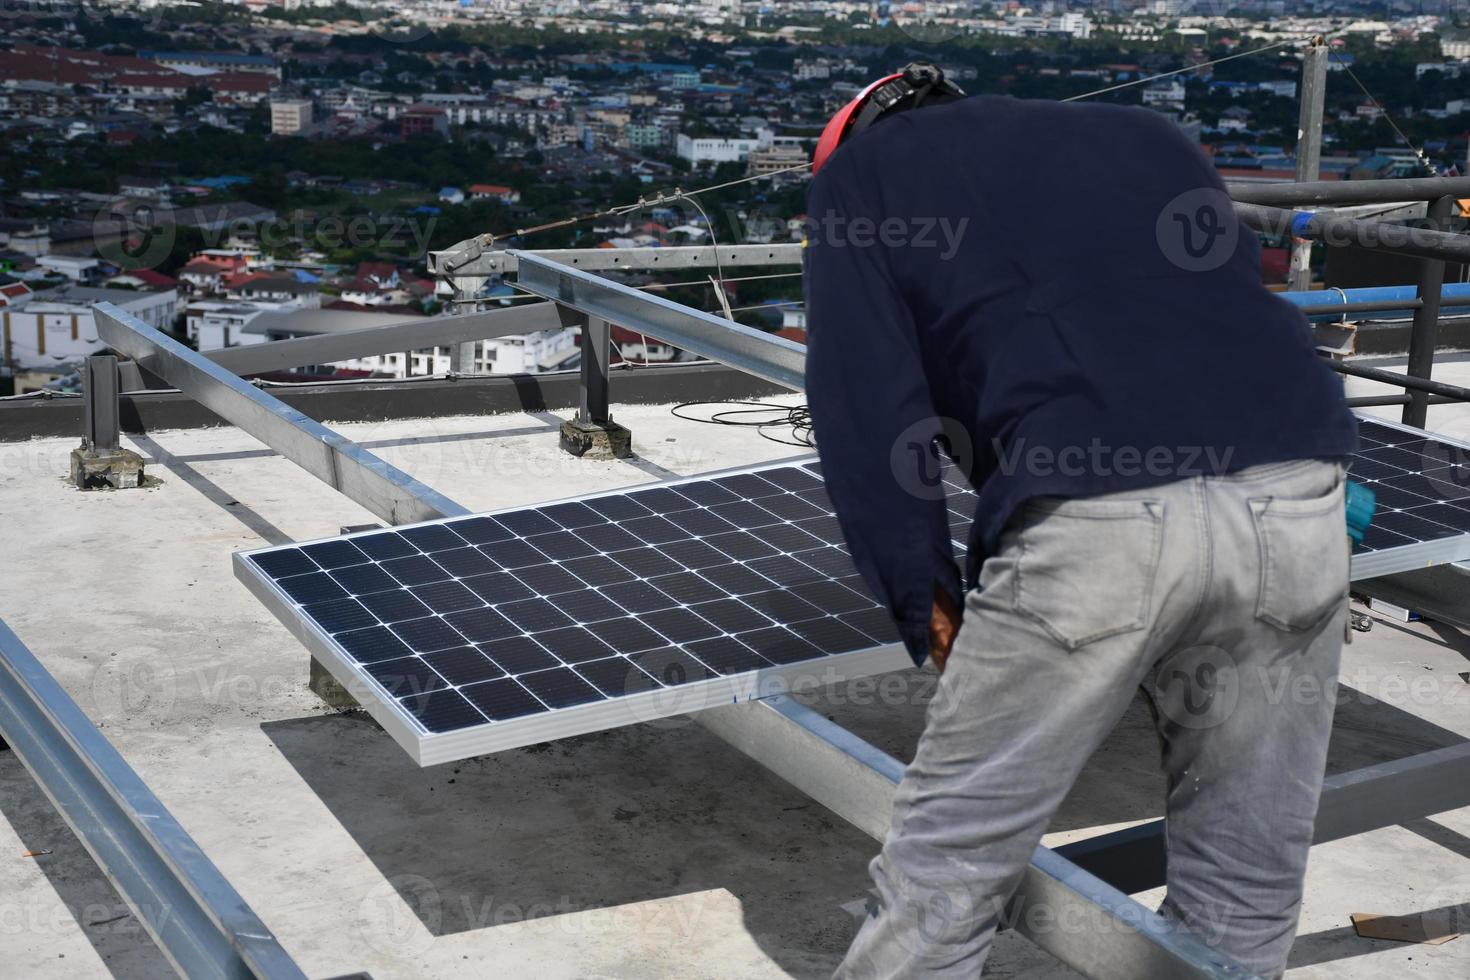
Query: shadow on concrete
{"type": "Point", "coordinates": [121, 943]}
{"type": "Point", "coordinates": [601, 821]}
{"type": "Point", "coordinates": [1122, 782]}
{"type": "Point", "coordinates": [648, 812]}
{"type": "Point", "coordinates": [211, 491]}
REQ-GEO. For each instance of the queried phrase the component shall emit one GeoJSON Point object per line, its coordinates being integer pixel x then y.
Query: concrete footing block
{"type": "Point", "coordinates": [326, 687]}
{"type": "Point", "coordinates": [120, 469]}
{"type": "Point", "coordinates": [596, 440]}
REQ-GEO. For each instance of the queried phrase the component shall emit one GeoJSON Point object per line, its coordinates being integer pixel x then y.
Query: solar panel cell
{"type": "Point", "coordinates": [395, 606]}
{"type": "Point", "coordinates": [548, 580]}
{"type": "Point", "coordinates": [361, 579]}
{"type": "Point", "coordinates": [502, 699]}
{"type": "Point", "coordinates": [280, 564]}
{"type": "Point", "coordinates": [446, 597]}
{"type": "Point", "coordinates": [464, 562]}
{"type": "Point", "coordinates": [383, 546]}
{"type": "Point", "coordinates": [433, 537]}
{"type": "Point", "coordinates": [575, 644]}
{"type": "Point", "coordinates": [561, 545]}
{"type": "Point", "coordinates": [334, 554]}
{"type": "Point", "coordinates": [462, 665]}
{"type": "Point", "coordinates": [727, 655]}
{"type": "Point", "coordinates": [311, 587]}
{"type": "Point", "coordinates": [481, 530]}
{"type": "Point", "coordinates": [481, 625]}
{"type": "Point", "coordinates": [560, 687]}
{"type": "Point", "coordinates": [370, 645]}
{"type": "Point", "coordinates": [406, 676]}
{"type": "Point", "coordinates": [428, 634]}
{"type": "Point", "coordinates": [415, 570]}
{"type": "Point", "coordinates": [339, 615]}
{"type": "Point", "coordinates": [518, 654]}
{"type": "Point", "coordinates": [442, 711]}
{"type": "Point", "coordinates": [616, 677]}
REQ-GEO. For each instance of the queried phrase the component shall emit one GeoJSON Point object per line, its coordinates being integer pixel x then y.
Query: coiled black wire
{"type": "Point", "coordinates": [766, 418]}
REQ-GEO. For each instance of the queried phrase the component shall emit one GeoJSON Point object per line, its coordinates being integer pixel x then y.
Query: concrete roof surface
{"type": "Point", "coordinates": [654, 851]}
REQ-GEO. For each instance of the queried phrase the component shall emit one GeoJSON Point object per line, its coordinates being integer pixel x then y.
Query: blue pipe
{"type": "Point", "coordinates": [1374, 294]}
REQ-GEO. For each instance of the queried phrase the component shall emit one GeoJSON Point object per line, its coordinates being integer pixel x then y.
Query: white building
{"type": "Point", "coordinates": [81, 269]}
{"type": "Point", "coordinates": [56, 327]}
{"type": "Point", "coordinates": [708, 149]}
{"type": "Point", "coordinates": [533, 353]}
{"type": "Point", "coordinates": [1167, 94]}
{"type": "Point", "coordinates": [290, 117]}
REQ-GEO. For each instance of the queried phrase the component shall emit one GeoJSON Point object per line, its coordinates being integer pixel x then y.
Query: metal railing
{"type": "Point", "coordinates": [198, 921]}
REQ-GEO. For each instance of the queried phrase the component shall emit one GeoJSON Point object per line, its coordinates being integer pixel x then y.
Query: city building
{"type": "Point", "coordinates": [290, 117]}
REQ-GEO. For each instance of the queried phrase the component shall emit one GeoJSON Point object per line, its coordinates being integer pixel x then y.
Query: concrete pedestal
{"type": "Point", "coordinates": [119, 469]}
{"type": "Point", "coordinates": [326, 687]}
{"type": "Point", "coordinates": [596, 440]}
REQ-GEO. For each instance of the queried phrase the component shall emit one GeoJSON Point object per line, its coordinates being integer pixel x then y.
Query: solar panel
{"type": "Point", "coordinates": [1422, 483]}
{"type": "Point", "coordinates": [472, 635]}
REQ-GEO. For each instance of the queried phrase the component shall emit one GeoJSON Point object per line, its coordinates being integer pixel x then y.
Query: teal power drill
{"type": "Point", "coordinates": [1360, 503]}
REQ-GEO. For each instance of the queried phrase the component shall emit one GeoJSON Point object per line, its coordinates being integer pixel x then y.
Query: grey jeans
{"type": "Point", "coordinates": [1224, 599]}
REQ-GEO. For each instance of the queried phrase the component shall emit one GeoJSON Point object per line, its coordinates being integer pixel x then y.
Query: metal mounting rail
{"type": "Point", "coordinates": [390, 338]}
{"type": "Point", "coordinates": [473, 259]}
{"type": "Point", "coordinates": [743, 348]}
{"type": "Point", "coordinates": [856, 780]}
{"type": "Point", "coordinates": [198, 921]}
{"type": "Point", "coordinates": [330, 457]}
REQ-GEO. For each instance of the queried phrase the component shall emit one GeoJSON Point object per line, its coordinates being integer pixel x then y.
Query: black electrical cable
{"type": "Point", "coordinates": [793, 417]}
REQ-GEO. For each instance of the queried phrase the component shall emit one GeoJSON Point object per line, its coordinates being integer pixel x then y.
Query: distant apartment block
{"type": "Point", "coordinates": [423, 120]}
{"type": "Point", "coordinates": [290, 117]}
{"type": "Point", "coordinates": [705, 149]}
{"type": "Point", "coordinates": [781, 156]}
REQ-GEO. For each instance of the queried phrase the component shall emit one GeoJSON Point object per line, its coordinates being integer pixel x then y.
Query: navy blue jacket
{"type": "Point", "coordinates": [1063, 290]}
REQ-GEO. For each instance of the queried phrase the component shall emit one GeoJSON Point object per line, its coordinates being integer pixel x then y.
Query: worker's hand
{"type": "Point", "coordinates": [944, 625]}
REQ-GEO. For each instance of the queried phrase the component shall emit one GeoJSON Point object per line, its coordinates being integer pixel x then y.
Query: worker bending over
{"type": "Point", "coordinates": [1156, 448]}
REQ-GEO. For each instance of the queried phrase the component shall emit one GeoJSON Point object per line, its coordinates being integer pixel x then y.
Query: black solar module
{"type": "Point", "coordinates": [1422, 485]}
{"type": "Point", "coordinates": [483, 633]}
{"type": "Point", "coordinates": [472, 635]}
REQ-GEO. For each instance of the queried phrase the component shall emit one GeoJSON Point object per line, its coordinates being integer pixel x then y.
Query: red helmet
{"type": "Point", "coordinates": [918, 84]}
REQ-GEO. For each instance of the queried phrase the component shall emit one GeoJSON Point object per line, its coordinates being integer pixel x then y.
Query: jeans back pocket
{"type": "Point", "coordinates": [1086, 568]}
{"type": "Point", "coordinates": [1304, 558]}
